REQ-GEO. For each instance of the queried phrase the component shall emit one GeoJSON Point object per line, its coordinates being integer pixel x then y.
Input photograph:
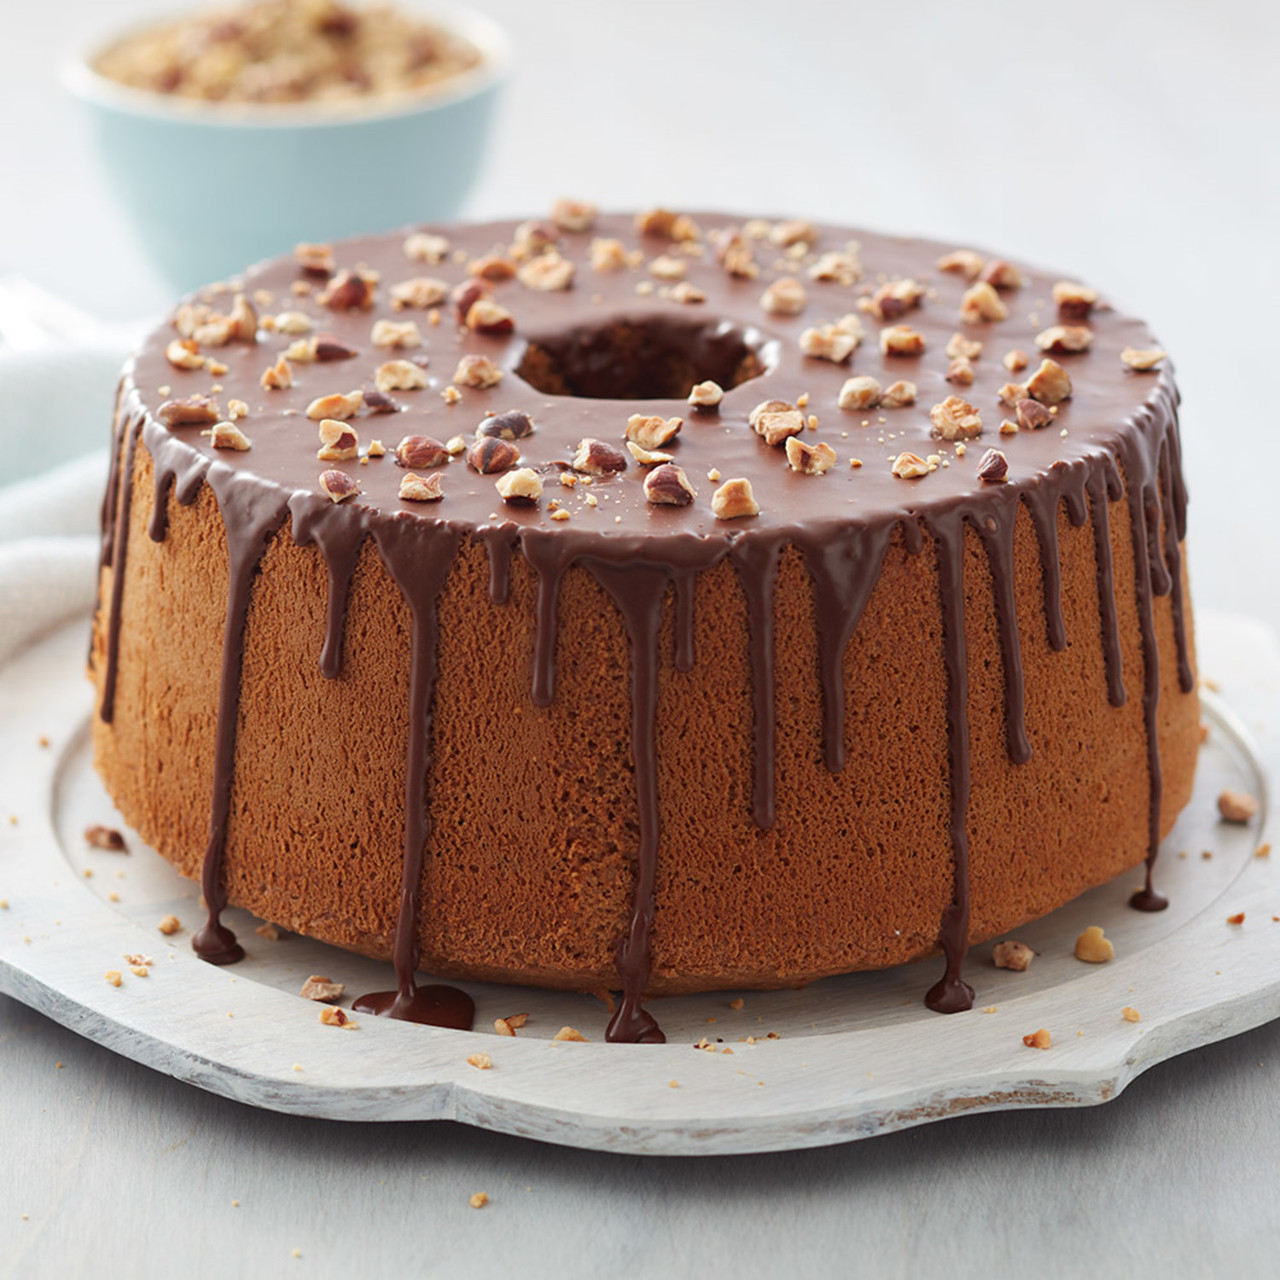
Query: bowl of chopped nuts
{"type": "Point", "coordinates": [229, 136]}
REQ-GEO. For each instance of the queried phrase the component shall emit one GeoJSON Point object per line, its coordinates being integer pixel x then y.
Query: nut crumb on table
{"type": "Point", "coordinates": [1093, 948]}
{"type": "Point", "coordinates": [1037, 1039]}
{"type": "Point", "coordinates": [1237, 806]}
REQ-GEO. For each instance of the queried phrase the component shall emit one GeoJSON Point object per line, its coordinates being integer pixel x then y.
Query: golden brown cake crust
{"type": "Point", "coordinates": [531, 864]}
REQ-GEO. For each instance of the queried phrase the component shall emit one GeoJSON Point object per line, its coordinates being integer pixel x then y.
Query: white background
{"type": "Point", "coordinates": [1133, 145]}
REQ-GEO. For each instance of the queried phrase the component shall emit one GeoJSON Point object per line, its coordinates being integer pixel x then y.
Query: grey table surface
{"type": "Point", "coordinates": [1131, 144]}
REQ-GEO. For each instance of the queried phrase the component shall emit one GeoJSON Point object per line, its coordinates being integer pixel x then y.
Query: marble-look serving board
{"type": "Point", "coordinates": [850, 1057]}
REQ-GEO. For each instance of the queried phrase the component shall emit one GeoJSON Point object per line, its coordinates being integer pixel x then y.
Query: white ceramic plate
{"type": "Point", "coordinates": [853, 1056]}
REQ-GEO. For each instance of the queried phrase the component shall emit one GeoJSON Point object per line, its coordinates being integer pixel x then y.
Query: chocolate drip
{"type": "Point", "coordinates": [684, 656]}
{"type": "Point", "coordinates": [1173, 557]}
{"type": "Point", "coordinates": [1042, 506]}
{"type": "Point", "coordinates": [756, 560]}
{"type": "Point", "coordinates": [550, 557]}
{"type": "Point", "coordinates": [252, 512]}
{"type": "Point", "coordinates": [996, 533]}
{"type": "Point", "coordinates": [111, 498]}
{"type": "Point", "coordinates": [131, 430]}
{"type": "Point", "coordinates": [499, 541]}
{"type": "Point", "coordinates": [639, 591]}
{"type": "Point", "coordinates": [1138, 468]}
{"type": "Point", "coordinates": [181, 476]}
{"type": "Point", "coordinates": [951, 994]}
{"type": "Point", "coordinates": [844, 570]}
{"type": "Point", "coordinates": [418, 554]}
{"type": "Point", "coordinates": [1100, 489]}
{"type": "Point", "coordinates": [316, 520]}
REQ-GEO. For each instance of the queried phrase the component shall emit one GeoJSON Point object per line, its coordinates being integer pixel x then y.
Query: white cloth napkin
{"type": "Point", "coordinates": [55, 433]}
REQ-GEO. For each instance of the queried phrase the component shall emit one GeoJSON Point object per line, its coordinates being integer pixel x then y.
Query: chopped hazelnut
{"type": "Point", "coordinates": [1002, 275]}
{"type": "Point", "coordinates": [1093, 948]}
{"type": "Point", "coordinates": [862, 392]}
{"type": "Point", "coordinates": [687, 293]}
{"type": "Point", "coordinates": [570, 1033]}
{"type": "Point", "coordinates": [667, 266]}
{"type": "Point", "coordinates": [828, 342]}
{"type": "Point", "coordinates": [909, 466]}
{"type": "Point", "coordinates": [316, 259]}
{"type": "Point", "coordinates": [608, 255]}
{"type": "Point", "coordinates": [490, 455]}
{"type": "Point", "coordinates": [547, 273]}
{"type": "Point", "coordinates": [776, 420]}
{"type": "Point", "coordinates": [792, 231]}
{"type": "Point", "coordinates": [493, 267]}
{"type": "Point", "coordinates": [422, 246]}
{"type": "Point", "coordinates": [1238, 918]}
{"type": "Point", "coordinates": [1050, 384]}
{"type": "Point", "coordinates": [416, 452]}
{"type": "Point", "coordinates": [706, 395]}
{"type": "Point", "coordinates": [993, 467]}
{"type": "Point", "coordinates": [1015, 361]}
{"type": "Point", "coordinates": [395, 333]}
{"type": "Point", "coordinates": [810, 460]}
{"type": "Point", "coordinates": [1064, 338]}
{"type": "Point", "coordinates": [1142, 361]}
{"type": "Point", "coordinates": [113, 977]}
{"type": "Point", "coordinates": [784, 297]}
{"type": "Point", "coordinates": [961, 262]}
{"type": "Point", "coordinates": [960, 371]}
{"type": "Point", "coordinates": [522, 485]}
{"type": "Point", "coordinates": [226, 435]}
{"type": "Point", "coordinates": [955, 419]}
{"type": "Point", "coordinates": [477, 371]}
{"type": "Point", "coordinates": [573, 215]}
{"type": "Point", "coordinates": [1130, 1014]}
{"type": "Point", "coordinates": [486, 316]}
{"type": "Point", "coordinates": [1012, 955]}
{"type": "Point", "coordinates": [416, 488]}
{"type": "Point", "coordinates": [1074, 301]}
{"type": "Point", "coordinates": [1037, 1039]}
{"type": "Point", "coordinates": [511, 425]}
{"type": "Point", "coordinates": [958, 345]}
{"type": "Point", "coordinates": [648, 457]}
{"type": "Point", "coordinates": [348, 291]}
{"type": "Point", "coordinates": [336, 406]}
{"type": "Point", "coordinates": [1031, 414]}
{"type": "Point", "coordinates": [668, 485]}
{"type": "Point", "coordinates": [1237, 806]}
{"type": "Point", "coordinates": [169, 925]}
{"type": "Point", "coordinates": [596, 458]}
{"type": "Point", "coordinates": [292, 323]}
{"type": "Point", "coordinates": [419, 293]}
{"type": "Point", "coordinates": [399, 375]}
{"type": "Point", "coordinates": [651, 432]}
{"type": "Point", "coordinates": [901, 340]}
{"type": "Point", "coordinates": [481, 1061]}
{"type": "Point", "coordinates": [894, 299]}
{"type": "Point", "coordinates": [337, 485]}
{"type": "Point", "coordinates": [188, 411]}
{"type": "Point", "coordinates": [106, 838]}
{"type": "Point", "coordinates": [898, 395]}
{"type": "Point", "coordinates": [736, 255]}
{"type": "Point", "coordinates": [322, 989]}
{"type": "Point", "coordinates": [733, 500]}
{"type": "Point", "coordinates": [478, 1201]}
{"type": "Point", "coordinates": [183, 353]}
{"type": "Point", "coordinates": [338, 441]}
{"type": "Point", "coordinates": [332, 1016]}
{"type": "Point", "coordinates": [981, 303]}
{"type": "Point", "coordinates": [836, 267]}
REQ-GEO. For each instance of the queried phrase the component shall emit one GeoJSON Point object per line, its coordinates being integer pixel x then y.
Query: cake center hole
{"type": "Point", "coordinates": [648, 358]}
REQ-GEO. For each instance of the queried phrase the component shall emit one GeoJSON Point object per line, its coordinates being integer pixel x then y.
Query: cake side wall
{"type": "Point", "coordinates": [529, 871]}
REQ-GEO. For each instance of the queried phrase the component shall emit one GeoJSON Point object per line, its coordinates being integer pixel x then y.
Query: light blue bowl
{"type": "Point", "coordinates": [214, 187]}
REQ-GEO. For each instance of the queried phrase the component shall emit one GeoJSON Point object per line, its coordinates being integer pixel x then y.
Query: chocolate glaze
{"type": "Point", "coordinates": [1117, 437]}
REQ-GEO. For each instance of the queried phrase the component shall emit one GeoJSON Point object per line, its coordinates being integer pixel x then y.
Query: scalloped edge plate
{"type": "Point", "coordinates": [853, 1056]}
